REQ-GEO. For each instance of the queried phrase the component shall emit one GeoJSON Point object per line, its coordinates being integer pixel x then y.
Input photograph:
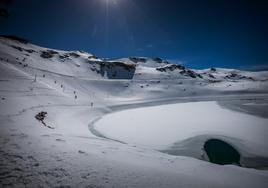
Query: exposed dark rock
{"type": "Point", "coordinates": [138, 59]}
{"type": "Point", "coordinates": [73, 54]}
{"type": "Point", "coordinates": [117, 70]}
{"type": "Point", "coordinates": [211, 76]}
{"type": "Point", "coordinates": [213, 69]}
{"type": "Point", "coordinates": [191, 73]}
{"type": "Point", "coordinates": [23, 49]}
{"type": "Point", "coordinates": [188, 73]}
{"type": "Point", "coordinates": [48, 54]}
{"type": "Point", "coordinates": [92, 57]}
{"type": "Point", "coordinates": [199, 75]}
{"type": "Point", "coordinates": [17, 48]}
{"type": "Point", "coordinates": [64, 56]}
{"type": "Point", "coordinates": [250, 78]}
{"type": "Point", "coordinates": [45, 54]}
{"type": "Point", "coordinates": [93, 69]}
{"type": "Point", "coordinates": [235, 76]}
{"type": "Point", "coordinates": [29, 50]}
{"type": "Point", "coordinates": [52, 52]}
{"type": "Point", "coordinates": [155, 82]}
{"type": "Point", "coordinates": [170, 67]}
{"type": "Point", "coordinates": [81, 152]}
{"type": "Point", "coordinates": [214, 81]}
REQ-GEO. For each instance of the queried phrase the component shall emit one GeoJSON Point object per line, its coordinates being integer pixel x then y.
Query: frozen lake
{"type": "Point", "coordinates": [165, 126]}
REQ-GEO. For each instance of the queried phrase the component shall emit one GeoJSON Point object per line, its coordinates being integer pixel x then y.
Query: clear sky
{"type": "Point", "coordinates": [198, 33]}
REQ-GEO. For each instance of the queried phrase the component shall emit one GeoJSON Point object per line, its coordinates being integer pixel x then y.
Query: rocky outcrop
{"type": "Point", "coordinates": [191, 74]}
{"type": "Point", "coordinates": [48, 54]}
{"type": "Point", "coordinates": [170, 67]}
{"type": "Point", "coordinates": [235, 76]}
{"type": "Point", "coordinates": [117, 70]}
{"type": "Point", "coordinates": [138, 59]}
{"type": "Point", "coordinates": [182, 70]}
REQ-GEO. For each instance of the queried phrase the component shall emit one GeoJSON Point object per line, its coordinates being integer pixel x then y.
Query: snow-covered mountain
{"type": "Point", "coordinates": [51, 99]}
{"type": "Point", "coordinates": [151, 76]}
{"type": "Point", "coordinates": [86, 65]}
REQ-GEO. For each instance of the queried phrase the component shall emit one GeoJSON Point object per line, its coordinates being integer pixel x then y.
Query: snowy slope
{"type": "Point", "coordinates": [77, 89]}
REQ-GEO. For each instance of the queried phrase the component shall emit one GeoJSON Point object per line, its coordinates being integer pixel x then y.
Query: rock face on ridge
{"type": "Point", "coordinates": [117, 70]}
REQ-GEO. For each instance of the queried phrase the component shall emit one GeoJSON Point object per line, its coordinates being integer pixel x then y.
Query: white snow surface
{"type": "Point", "coordinates": [76, 95]}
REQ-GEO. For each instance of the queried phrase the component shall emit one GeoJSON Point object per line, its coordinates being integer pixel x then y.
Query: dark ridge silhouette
{"type": "Point", "coordinates": [15, 38]}
{"type": "Point", "coordinates": [220, 152]}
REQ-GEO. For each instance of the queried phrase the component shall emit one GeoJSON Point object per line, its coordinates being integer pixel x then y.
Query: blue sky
{"type": "Point", "coordinates": [198, 33]}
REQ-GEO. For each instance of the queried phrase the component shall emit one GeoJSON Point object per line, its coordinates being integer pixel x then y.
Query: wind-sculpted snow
{"type": "Point", "coordinates": [71, 90]}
